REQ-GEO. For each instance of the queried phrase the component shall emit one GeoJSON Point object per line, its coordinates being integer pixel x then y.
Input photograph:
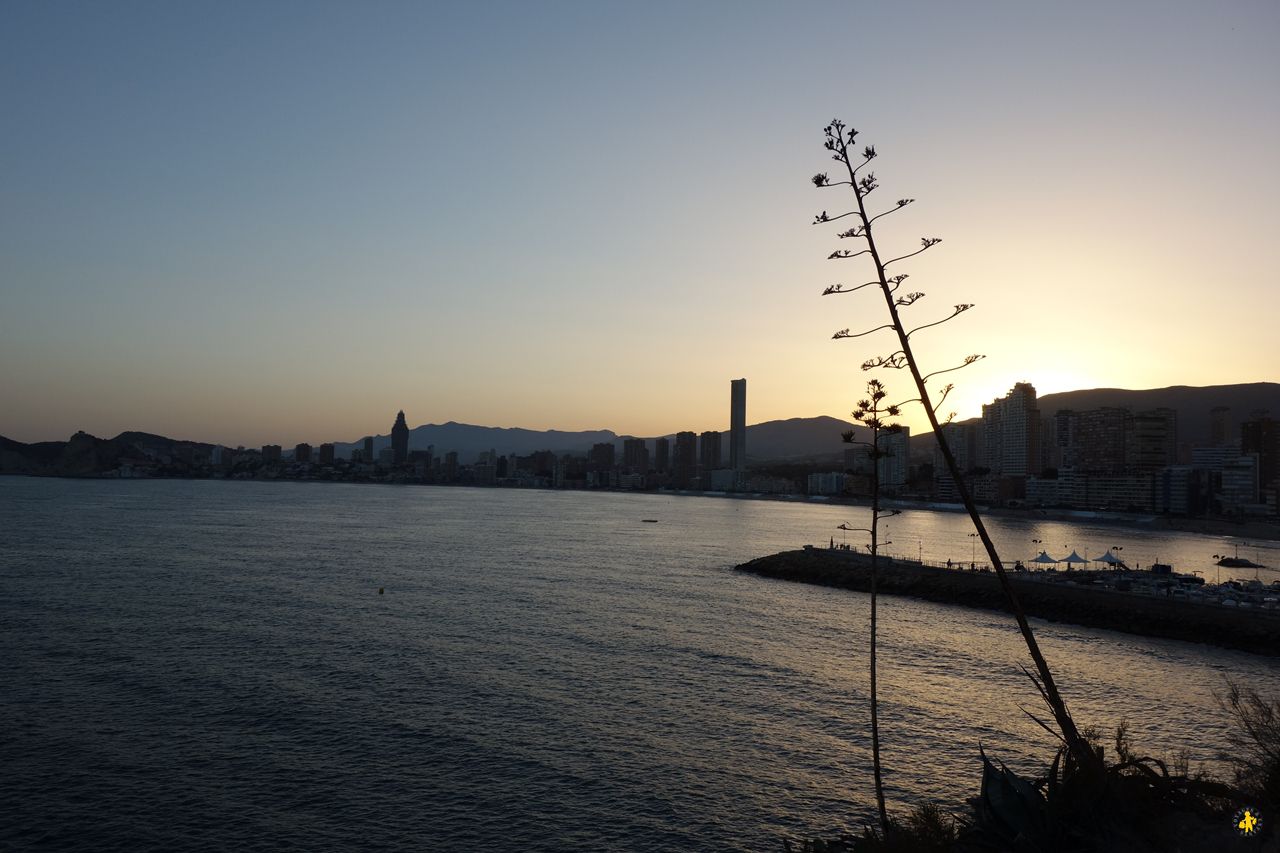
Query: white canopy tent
{"type": "Point", "coordinates": [1073, 558]}
{"type": "Point", "coordinates": [1111, 560]}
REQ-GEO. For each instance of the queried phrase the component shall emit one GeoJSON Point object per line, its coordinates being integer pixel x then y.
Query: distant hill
{"type": "Point", "coordinates": [799, 438]}
{"type": "Point", "coordinates": [794, 438]}
{"type": "Point", "coordinates": [470, 440]}
{"type": "Point", "coordinates": [84, 455]}
{"type": "Point", "coordinates": [1191, 403]}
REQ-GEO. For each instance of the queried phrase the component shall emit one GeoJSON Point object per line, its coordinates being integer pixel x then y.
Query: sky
{"type": "Point", "coordinates": [250, 223]}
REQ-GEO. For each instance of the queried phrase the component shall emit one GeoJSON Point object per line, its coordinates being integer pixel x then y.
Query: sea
{"type": "Point", "coordinates": [217, 665]}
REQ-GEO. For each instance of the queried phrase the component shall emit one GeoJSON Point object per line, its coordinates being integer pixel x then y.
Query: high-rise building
{"type": "Point", "coordinates": [709, 457]}
{"type": "Point", "coordinates": [738, 424]}
{"type": "Point", "coordinates": [962, 441]}
{"type": "Point", "coordinates": [1063, 435]}
{"type": "Point", "coordinates": [661, 455]}
{"type": "Point", "coordinates": [685, 461]}
{"type": "Point", "coordinates": [1011, 433]}
{"type": "Point", "coordinates": [857, 460]}
{"type": "Point", "coordinates": [1100, 438]}
{"type": "Point", "coordinates": [326, 454]}
{"type": "Point", "coordinates": [367, 455]}
{"type": "Point", "coordinates": [400, 440]}
{"type": "Point", "coordinates": [602, 456]}
{"type": "Point", "coordinates": [1152, 441]}
{"type": "Point", "coordinates": [270, 453]}
{"type": "Point", "coordinates": [1261, 435]}
{"type": "Point", "coordinates": [302, 452]}
{"type": "Point", "coordinates": [1220, 432]}
{"type": "Point", "coordinates": [892, 467]}
{"type": "Point", "coordinates": [635, 455]}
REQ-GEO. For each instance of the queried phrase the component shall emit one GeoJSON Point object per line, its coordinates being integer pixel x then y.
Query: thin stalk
{"type": "Point", "coordinates": [875, 702]}
{"type": "Point", "coordinates": [1079, 748]}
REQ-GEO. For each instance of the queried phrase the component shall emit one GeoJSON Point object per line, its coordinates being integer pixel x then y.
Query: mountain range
{"type": "Point", "coordinates": [787, 439]}
{"type": "Point", "coordinates": [815, 439]}
{"type": "Point", "coordinates": [1192, 404]}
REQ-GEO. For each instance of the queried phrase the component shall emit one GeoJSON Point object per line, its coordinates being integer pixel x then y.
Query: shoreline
{"type": "Point", "coordinates": [1254, 528]}
{"type": "Point", "coordinates": [1254, 631]}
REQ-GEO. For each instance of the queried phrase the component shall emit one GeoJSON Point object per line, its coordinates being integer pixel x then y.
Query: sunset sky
{"type": "Point", "coordinates": [282, 222]}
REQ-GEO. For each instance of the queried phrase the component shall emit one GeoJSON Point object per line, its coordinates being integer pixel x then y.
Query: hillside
{"type": "Point", "coordinates": [794, 438]}
{"type": "Point", "coordinates": [469, 440]}
{"type": "Point", "coordinates": [1192, 404]}
{"type": "Point", "coordinates": [85, 455]}
{"type": "Point", "coordinates": [790, 440]}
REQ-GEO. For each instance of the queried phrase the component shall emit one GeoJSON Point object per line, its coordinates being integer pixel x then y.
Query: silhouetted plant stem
{"type": "Point", "coordinates": [1078, 747]}
{"type": "Point", "coordinates": [869, 413]}
{"type": "Point", "coordinates": [875, 709]}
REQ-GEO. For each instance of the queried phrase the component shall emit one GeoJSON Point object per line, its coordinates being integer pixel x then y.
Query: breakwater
{"type": "Point", "coordinates": [1254, 631]}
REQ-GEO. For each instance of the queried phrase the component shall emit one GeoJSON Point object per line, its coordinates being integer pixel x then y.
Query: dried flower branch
{"type": "Point", "coordinates": [838, 141]}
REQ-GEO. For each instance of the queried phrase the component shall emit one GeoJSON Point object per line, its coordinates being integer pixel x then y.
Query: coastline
{"type": "Point", "coordinates": [1254, 528]}
{"type": "Point", "coordinates": [1257, 632]}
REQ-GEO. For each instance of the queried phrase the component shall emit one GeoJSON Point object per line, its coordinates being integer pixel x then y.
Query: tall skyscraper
{"type": "Point", "coordinates": [1011, 433]}
{"type": "Point", "coordinates": [602, 456]}
{"type": "Point", "coordinates": [710, 448]}
{"type": "Point", "coordinates": [1261, 435]}
{"type": "Point", "coordinates": [1152, 441]}
{"type": "Point", "coordinates": [400, 440]}
{"type": "Point", "coordinates": [367, 450]}
{"type": "Point", "coordinates": [1100, 439]}
{"type": "Point", "coordinates": [893, 467]}
{"type": "Point", "coordinates": [686, 458]}
{"type": "Point", "coordinates": [1220, 432]}
{"type": "Point", "coordinates": [661, 455]}
{"type": "Point", "coordinates": [738, 424]}
{"type": "Point", "coordinates": [635, 455]}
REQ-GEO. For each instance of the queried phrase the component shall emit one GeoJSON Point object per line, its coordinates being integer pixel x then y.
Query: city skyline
{"type": "Point", "coordinates": [312, 436]}
{"type": "Point", "coordinates": [247, 225]}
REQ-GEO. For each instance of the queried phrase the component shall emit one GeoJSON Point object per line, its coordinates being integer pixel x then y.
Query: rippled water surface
{"type": "Point", "coordinates": [209, 665]}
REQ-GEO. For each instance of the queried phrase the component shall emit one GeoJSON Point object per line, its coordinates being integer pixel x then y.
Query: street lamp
{"type": "Point", "coordinates": [843, 526]}
{"type": "Point", "coordinates": [973, 550]}
{"type": "Point", "coordinates": [1037, 542]}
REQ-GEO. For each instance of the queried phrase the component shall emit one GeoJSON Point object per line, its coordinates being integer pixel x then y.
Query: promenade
{"type": "Point", "coordinates": [1056, 596]}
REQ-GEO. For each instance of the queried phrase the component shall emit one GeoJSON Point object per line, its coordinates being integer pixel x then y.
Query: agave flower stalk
{"type": "Point", "coordinates": [838, 142]}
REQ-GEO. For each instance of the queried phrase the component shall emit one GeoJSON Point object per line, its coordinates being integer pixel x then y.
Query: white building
{"type": "Point", "coordinates": [894, 466]}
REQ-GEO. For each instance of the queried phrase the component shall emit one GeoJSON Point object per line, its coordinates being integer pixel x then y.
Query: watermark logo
{"type": "Point", "coordinates": [1248, 822]}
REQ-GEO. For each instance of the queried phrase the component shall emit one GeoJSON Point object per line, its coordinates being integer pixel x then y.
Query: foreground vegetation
{"type": "Point", "coordinates": [1133, 803]}
{"type": "Point", "coordinates": [1086, 799]}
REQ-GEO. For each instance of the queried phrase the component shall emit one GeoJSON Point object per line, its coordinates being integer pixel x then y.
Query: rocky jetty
{"type": "Point", "coordinates": [1256, 631]}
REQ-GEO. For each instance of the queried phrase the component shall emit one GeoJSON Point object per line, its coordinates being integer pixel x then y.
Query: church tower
{"type": "Point", "coordinates": [400, 440]}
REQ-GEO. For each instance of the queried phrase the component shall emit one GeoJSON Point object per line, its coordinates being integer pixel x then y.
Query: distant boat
{"type": "Point", "coordinates": [649, 520]}
{"type": "Point", "coordinates": [1239, 563]}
